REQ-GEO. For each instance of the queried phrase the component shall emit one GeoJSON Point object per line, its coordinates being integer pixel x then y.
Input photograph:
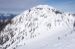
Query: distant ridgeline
{"type": "Point", "coordinates": [5, 19]}
{"type": "Point", "coordinates": [6, 15]}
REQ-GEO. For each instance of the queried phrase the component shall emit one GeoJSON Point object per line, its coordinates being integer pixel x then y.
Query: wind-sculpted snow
{"type": "Point", "coordinates": [38, 22]}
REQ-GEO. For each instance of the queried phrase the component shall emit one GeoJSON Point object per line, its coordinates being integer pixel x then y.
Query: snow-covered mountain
{"type": "Point", "coordinates": [36, 24]}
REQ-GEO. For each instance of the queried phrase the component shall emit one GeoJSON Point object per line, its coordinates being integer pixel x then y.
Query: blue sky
{"type": "Point", "coordinates": [21, 5]}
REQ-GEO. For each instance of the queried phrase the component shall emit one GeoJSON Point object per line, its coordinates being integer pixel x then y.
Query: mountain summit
{"type": "Point", "coordinates": [38, 22]}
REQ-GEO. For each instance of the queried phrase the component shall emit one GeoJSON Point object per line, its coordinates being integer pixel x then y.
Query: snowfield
{"type": "Point", "coordinates": [41, 27]}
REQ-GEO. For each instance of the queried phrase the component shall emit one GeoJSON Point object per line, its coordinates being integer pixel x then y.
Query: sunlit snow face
{"type": "Point", "coordinates": [38, 24]}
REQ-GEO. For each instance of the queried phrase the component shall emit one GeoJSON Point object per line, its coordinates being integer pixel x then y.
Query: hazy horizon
{"type": "Point", "coordinates": [19, 6]}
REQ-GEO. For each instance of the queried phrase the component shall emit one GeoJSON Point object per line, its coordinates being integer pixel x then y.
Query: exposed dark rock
{"type": "Point", "coordinates": [39, 8]}
{"type": "Point", "coordinates": [3, 39]}
{"type": "Point", "coordinates": [58, 12]}
{"type": "Point", "coordinates": [3, 23]}
{"type": "Point", "coordinates": [29, 10]}
{"type": "Point", "coordinates": [74, 24]}
{"type": "Point", "coordinates": [5, 19]}
{"type": "Point", "coordinates": [58, 38]}
{"type": "Point", "coordinates": [73, 14]}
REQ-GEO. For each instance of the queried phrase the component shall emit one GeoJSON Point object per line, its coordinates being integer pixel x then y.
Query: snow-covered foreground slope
{"type": "Point", "coordinates": [57, 41]}
{"type": "Point", "coordinates": [41, 27]}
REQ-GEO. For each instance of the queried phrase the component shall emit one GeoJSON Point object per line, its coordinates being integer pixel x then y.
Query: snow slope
{"type": "Point", "coordinates": [41, 27]}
